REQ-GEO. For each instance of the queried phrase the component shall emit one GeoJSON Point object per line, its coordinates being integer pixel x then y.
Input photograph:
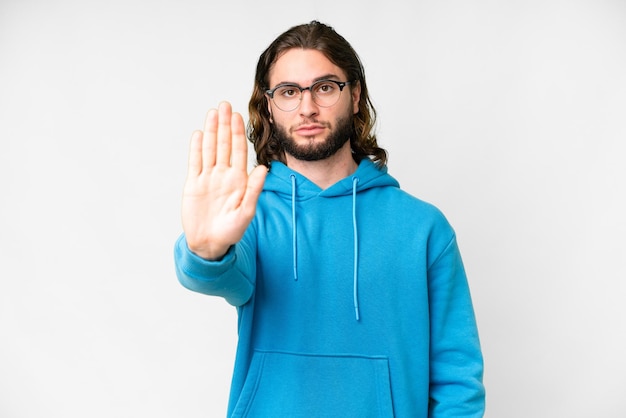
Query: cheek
{"type": "Point", "coordinates": [279, 122]}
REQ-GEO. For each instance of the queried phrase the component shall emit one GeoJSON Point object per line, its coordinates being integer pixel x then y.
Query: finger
{"type": "Point", "coordinates": [256, 179]}
{"type": "Point", "coordinates": [224, 136]}
{"type": "Point", "coordinates": [195, 154]}
{"type": "Point", "coordinates": [239, 143]}
{"type": "Point", "coordinates": [209, 139]}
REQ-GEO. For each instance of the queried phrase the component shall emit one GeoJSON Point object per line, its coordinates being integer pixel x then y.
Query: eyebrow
{"type": "Point", "coordinates": [329, 76]}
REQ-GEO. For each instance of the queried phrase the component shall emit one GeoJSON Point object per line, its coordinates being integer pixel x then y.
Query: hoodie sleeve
{"type": "Point", "coordinates": [456, 387]}
{"type": "Point", "coordinates": [232, 277]}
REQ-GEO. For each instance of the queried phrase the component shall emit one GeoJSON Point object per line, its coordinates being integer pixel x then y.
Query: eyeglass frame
{"type": "Point", "coordinates": [340, 84]}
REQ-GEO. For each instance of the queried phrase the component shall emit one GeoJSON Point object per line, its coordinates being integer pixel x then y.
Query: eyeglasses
{"type": "Point", "coordinates": [325, 93]}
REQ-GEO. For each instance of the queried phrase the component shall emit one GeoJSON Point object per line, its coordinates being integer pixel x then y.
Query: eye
{"type": "Point", "coordinates": [325, 87]}
{"type": "Point", "coordinates": [288, 92]}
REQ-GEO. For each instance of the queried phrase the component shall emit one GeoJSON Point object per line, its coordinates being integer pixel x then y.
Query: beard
{"type": "Point", "coordinates": [315, 151]}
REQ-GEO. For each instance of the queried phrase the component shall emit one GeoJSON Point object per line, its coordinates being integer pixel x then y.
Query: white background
{"type": "Point", "coordinates": [510, 116]}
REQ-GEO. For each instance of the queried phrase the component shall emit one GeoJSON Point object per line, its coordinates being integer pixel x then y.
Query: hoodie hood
{"type": "Point", "coordinates": [291, 185]}
{"type": "Point", "coordinates": [279, 180]}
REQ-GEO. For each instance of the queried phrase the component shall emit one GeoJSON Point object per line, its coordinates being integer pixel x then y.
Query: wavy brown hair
{"type": "Point", "coordinates": [323, 38]}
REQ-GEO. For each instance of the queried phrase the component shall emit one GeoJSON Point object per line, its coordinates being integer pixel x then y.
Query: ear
{"type": "Point", "coordinates": [356, 96]}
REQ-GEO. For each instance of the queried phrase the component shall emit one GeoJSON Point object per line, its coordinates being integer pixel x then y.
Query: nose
{"type": "Point", "coordinates": [308, 107]}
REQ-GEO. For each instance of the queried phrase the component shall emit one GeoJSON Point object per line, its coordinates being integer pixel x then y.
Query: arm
{"type": "Point", "coordinates": [456, 366]}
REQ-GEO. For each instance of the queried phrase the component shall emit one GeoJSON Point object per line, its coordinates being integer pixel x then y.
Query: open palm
{"type": "Point", "coordinates": [219, 197]}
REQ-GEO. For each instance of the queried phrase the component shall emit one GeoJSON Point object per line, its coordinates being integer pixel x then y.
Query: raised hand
{"type": "Point", "coordinates": [219, 197]}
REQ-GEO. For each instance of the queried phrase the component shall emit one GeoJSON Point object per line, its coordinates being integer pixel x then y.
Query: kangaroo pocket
{"type": "Point", "coordinates": [301, 385]}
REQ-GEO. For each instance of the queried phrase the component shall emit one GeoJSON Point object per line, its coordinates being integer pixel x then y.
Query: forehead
{"type": "Point", "coordinates": [302, 66]}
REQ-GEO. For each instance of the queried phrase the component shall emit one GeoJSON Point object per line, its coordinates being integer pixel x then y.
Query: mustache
{"type": "Point", "coordinates": [312, 122]}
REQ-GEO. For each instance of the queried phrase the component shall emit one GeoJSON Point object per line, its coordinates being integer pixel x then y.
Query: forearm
{"type": "Point", "coordinates": [232, 277]}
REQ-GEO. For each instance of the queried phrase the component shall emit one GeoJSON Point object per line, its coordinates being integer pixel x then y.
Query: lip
{"type": "Point", "coordinates": [310, 129]}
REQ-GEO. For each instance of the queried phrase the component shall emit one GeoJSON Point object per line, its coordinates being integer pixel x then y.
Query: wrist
{"type": "Point", "coordinates": [209, 253]}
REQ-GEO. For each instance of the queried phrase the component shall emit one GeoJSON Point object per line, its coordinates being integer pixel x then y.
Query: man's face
{"type": "Point", "coordinates": [312, 132]}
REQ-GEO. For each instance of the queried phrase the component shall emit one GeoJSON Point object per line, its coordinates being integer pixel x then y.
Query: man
{"type": "Point", "coordinates": [351, 294]}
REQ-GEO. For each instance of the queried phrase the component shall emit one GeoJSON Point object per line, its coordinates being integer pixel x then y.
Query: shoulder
{"type": "Point", "coordinates": [414, 215]}
{"type": "Point", "coordinates": [403, 201]}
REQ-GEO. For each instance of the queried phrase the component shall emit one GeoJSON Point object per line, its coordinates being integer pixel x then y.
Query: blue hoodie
{"type": "Point", "coordinates": [352, 302]}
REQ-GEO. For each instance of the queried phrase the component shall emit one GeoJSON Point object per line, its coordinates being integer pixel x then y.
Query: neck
{"type": "Point", "coordinates": [324, 173]}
